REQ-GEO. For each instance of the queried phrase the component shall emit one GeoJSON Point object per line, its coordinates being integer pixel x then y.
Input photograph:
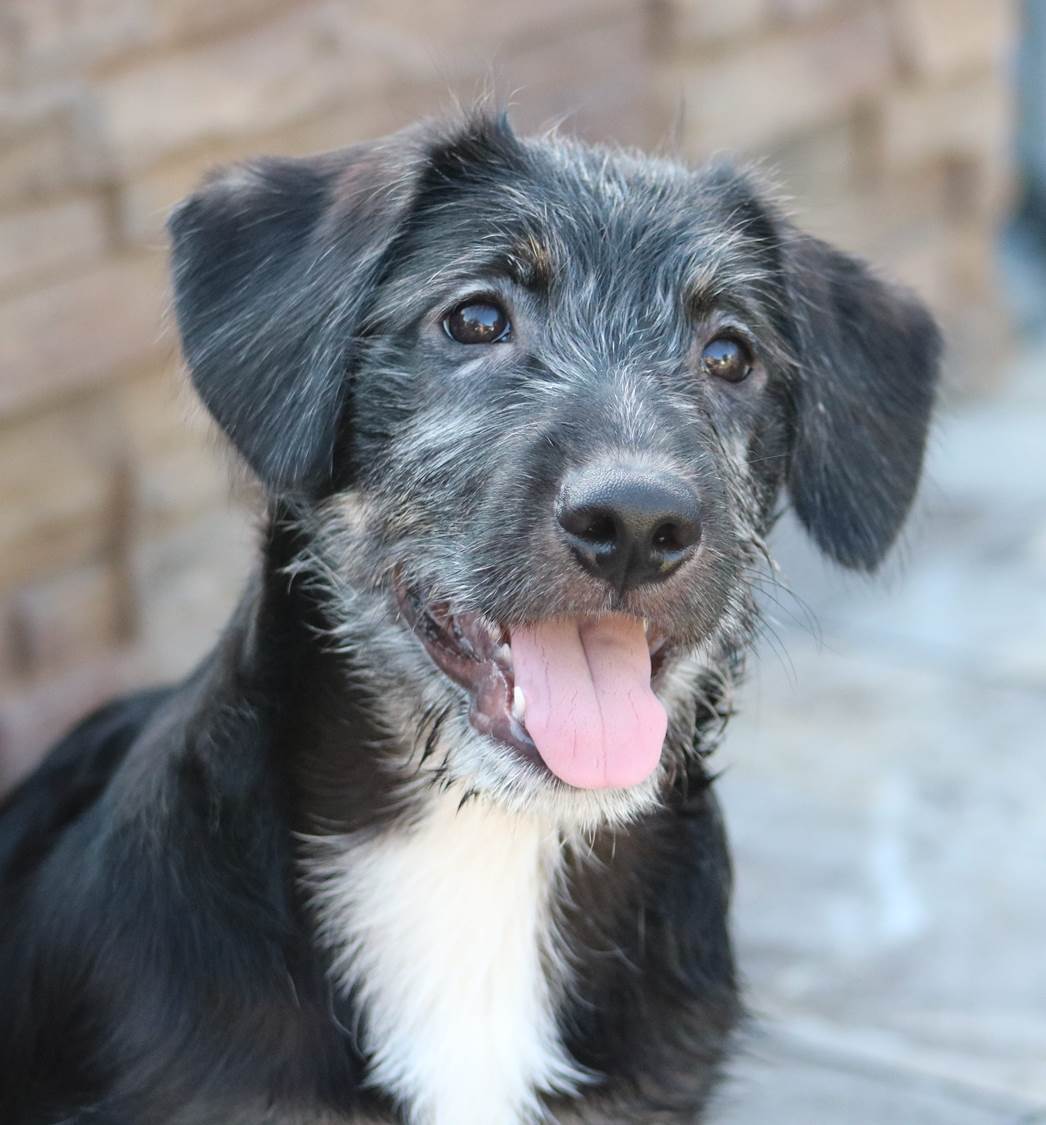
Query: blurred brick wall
{"type": "Point", "coordinates": [887, 122]}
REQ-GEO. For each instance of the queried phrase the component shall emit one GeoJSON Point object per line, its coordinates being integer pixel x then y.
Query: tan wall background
{"type": "Point", "coordinates": [888, 122]}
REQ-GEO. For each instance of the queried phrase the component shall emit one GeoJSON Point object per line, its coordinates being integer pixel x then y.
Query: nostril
{"type": "Point", "coordinates": [666, 537]}
{"type": "Point", "coordinates": [675, 535]}
{"type": "Point", "coordinates": [594, 526]}
{"type": "Point", "coordinates": [600, 529]}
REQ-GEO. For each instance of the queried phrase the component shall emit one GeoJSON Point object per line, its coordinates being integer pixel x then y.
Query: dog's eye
{"type": "Point", "coordinates": [478, 322]}
{"type": "Point", "coordinates": [727, 358]}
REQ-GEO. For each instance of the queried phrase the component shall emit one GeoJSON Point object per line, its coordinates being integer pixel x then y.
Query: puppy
{"type": "Point", "coordinates": [429, 838]}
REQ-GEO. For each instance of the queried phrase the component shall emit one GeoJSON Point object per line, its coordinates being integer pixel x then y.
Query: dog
{"type": "Point", "coordinates": [430, 836]}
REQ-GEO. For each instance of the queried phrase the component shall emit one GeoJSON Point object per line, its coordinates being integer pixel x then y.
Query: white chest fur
{"type": "Point", "coordinates": [445, 934]}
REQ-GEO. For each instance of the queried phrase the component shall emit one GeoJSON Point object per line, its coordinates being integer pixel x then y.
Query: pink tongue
{"type": "Point", "coordinates": [589, 706]}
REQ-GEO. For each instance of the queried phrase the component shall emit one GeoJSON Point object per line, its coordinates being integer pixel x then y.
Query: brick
{"type": "Point", "coordinates": [10, 662]}
{"type": "Point", "coordinates": [176, 20]}
{"type": "Point", "coordinates": [944, 37]}
{"type": "Point", "coordinates": [761, 94]}
{"type": "Point", "coordinates": [66, 36]}
{"type": "Point", "coordinates": [689, 23]}
{"type": "Point", "coordinates": [59, 480]}
{"type": "Point", "coordinates": [76, 334]}
{"type": "Point", "coordinates": [315, 57]}
{"type": "Point", "coordinates": [980, 191]}
{"type": "Point", "coordinates": [146, 198]}
{"type": "Point", "coordinates": [970, 119]}
{"type": "Point", "coordinates": [63, 620]}
{"type": "Point", "coordinates": [917, 256]}
{"type": "Point", "coordinates": [189, 582]}
{"type": "Point", "coordinates": [459, 37]}
{"type": "Point", "coordinates": [814, 166]}
{"type": "Point", "coordinates": [972, 263]}
{"type": "Point", "coordinates": [180, 466]}
{"type": "Point", "coordinates": [7, 52]}
{"type": "Point", "coordinates": [983, 342]}
{"type": "Point", "coordinates": [597, 80]}
{"type": "Point", "coordinates": [793, 11]}
{"type": "Point", "coordinates": [47, 143]}
{"type": "Point", "coordinates": [871, 220]}
{"type": "Point", "coordinates": [37, 241]}
{"type": "Point", "coordinates": [411, 99]}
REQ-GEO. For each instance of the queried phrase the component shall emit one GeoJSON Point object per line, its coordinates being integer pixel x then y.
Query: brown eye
{"type": "Point", "coordinates": [726, 358]}
{"type": "Point", "coordinates": [478, 322]}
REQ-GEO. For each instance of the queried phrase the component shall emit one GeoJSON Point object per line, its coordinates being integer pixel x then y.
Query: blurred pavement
{"type": "Point", "coordinates": [885, 788]}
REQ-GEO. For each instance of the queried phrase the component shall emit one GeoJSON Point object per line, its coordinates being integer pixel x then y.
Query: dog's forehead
{"type": "Point", "coordinates": [566, 209]}
{"type": "Point", "coordinates": [616, 183]}
{"type": "Point", "coordinates": [601, 200]}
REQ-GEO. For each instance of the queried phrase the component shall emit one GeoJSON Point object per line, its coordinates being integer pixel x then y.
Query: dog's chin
{"type": "Point", "coordinates": [494, 755]}
{"type": "Point", "coordinates": [483, 768]}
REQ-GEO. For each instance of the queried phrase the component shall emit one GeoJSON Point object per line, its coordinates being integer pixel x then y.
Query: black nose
{"type": "Point", "coordinates": [628, 527]}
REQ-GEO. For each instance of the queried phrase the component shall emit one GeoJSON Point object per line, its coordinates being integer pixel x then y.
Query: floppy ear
{"type": "Point", "coordinates": [274, 262]}
{"type": "Point", "coordinates": [868, 358]}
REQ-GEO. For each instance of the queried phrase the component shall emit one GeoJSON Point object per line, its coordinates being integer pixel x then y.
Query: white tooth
{"type": "Point", "coordinates": [519, 704]}
{"type": "Point", "coordinates": [503, 654]}
{"type": "Point", "coordinates": [646, 626]}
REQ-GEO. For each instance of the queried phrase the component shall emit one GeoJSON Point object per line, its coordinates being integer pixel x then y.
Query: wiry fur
{"type": "Point", "coordinates": [299, 887]}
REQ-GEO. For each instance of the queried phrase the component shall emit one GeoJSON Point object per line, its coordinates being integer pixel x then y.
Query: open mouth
{"type": "Point", "coordinates": [571, 696]}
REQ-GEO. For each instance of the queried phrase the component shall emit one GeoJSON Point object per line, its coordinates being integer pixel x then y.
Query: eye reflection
{"type": "Point", "coordinates": [478, 322]}
{"type": "Point", "coordinates": [726, 357]}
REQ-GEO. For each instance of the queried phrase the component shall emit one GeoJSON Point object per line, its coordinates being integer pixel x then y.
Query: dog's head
{"type": "Point", "coordinates": [535, 402]}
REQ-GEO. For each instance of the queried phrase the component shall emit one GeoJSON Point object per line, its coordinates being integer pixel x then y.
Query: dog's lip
{"type": "Point", "coordinates": [476, 654]}
{"type": "Point", "coordinates": [477, 657]}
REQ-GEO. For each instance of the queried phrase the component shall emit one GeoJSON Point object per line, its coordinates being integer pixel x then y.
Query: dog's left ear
{"type": "Point", "coordinates": [868, 357]}
{"type": "Point", "coordinates": [274, 262]}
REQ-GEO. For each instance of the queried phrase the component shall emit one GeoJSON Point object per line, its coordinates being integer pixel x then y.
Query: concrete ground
{"type": "Point", "coordinates": [885, 790]}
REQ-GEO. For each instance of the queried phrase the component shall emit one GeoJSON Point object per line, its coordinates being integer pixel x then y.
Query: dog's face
{"type": "Point", "coordinates": [534, 403]}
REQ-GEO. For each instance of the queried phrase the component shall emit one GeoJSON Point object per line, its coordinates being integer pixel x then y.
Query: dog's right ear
{"type": "Point", "coordinates": [274, 262]}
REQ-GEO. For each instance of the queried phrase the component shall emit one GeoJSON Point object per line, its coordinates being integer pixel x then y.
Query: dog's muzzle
{"type": "Point", "coordinates": [571, 696]}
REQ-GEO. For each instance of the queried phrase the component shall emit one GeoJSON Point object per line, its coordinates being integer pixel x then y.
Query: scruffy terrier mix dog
{"type": "Point", "coordinates": [428, 837]}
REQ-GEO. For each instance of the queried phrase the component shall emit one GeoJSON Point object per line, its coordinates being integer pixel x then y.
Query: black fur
{"type": "Point", "coordinates": [865, 356]}
{"type": "Point", "coordinates": [158, 958]}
